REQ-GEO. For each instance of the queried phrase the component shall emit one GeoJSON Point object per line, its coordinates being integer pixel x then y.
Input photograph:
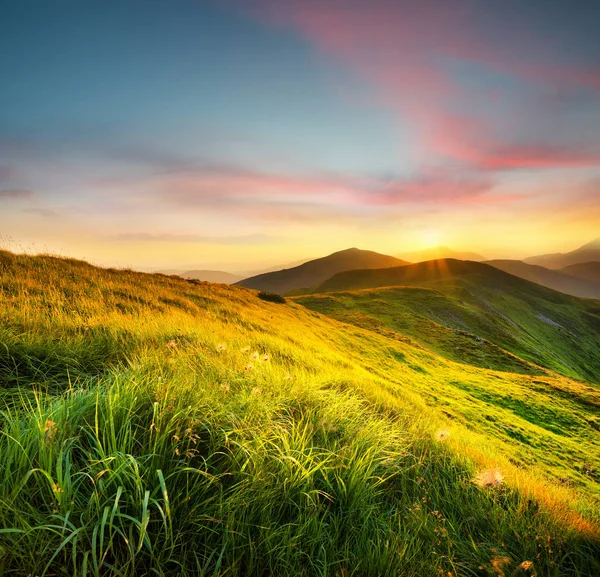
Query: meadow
{"type": "Point", "coordinates": [156, 426]}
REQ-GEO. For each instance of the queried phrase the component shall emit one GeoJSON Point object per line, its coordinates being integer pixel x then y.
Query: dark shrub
{"type": "Point", "coordinates": [271, 297]}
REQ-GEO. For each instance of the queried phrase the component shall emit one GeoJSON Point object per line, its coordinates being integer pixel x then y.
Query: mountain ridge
{"type": "Point", "coordinates": [559, 280]}
{"type": "Point", "coordinates": [318, 270]}
{"type": "Point", "coordinates": [589, 252]}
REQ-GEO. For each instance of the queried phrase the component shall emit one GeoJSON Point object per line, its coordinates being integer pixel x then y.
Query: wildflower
{"type": "Point", "coordinates": [256, 391]}
{"type": "Point", "coordinates": [57, 490]}
{"type": "Point", "coordinates": [288, 378]}
{"type": "Point", "coordinates": [498, 564]}
{"type": "Point", "coordinates": [265, 358]}
{"type": "Point", "coordinates": [245, 350]}
{"type": "Point", "coordinates": [50, 429]}
{"type": "Point", "coordinates": [254, 356]}
{"type": "Point", "coordinates": [221, 347]}
{"type": "Point", "coordinates": [526, 567]}
{"type": "Point", "coordinates": [442, 435]}
{"type": "Point", "coordinates": [249, 367]}
{"type": "Point", "coordinates": [225, 387]}
{"type": "Point", "coordinates": [489, 478]}
{"type": "Point", "coordinates": [172, 344]}
{"type": "Point", "coordinates": [176, 437]}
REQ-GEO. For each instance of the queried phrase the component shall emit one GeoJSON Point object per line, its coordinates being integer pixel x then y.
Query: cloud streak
{"type": "Point", "coordinates": [408, 53]}
{"type": "Point", "coordinates": [249, 239]}
{"type": "Point", "coordinates": [16, 194]}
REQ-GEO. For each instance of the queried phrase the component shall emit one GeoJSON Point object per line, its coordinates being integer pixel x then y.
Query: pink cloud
{"type": "Point", "coordinates": [269, 195]}
{"type": "Point", "coordinates": [538, 157]}
{"type": "Point", "coordinates": [403, 50]}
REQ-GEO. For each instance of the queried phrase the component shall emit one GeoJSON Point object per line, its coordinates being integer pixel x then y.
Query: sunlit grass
{"type": "Point", "coordinates": [155, 426]}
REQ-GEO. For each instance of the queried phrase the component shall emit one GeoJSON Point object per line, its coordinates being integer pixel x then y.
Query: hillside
{"type": "Point", "coordinates": [589, 271]}
{"type": "Point", "coordinates": [439, 252]}
{"type": "Point", "coordinates": [589, 252]}
{"type": "Point", "coordinates": [152, 425]}
{"type": "Point", "coordinates": [539, 325]}
{"type": "Point", "coordinates": [560, 280]}
{"type": "Point", "coordinates": [317, 271]}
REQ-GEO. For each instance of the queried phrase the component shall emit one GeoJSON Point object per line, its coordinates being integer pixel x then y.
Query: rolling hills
{"type": "Point", "coordinates": [153, 425]}
{"type": "Point", "coordinates": [317, 271]}
{"type": "Point", "coordinates": [537, 324]}
{"type": "Point", "coordinates": [578, 281]}
{"type": "Point", "coordinates": [589, 252]}
{"type": "Point", "coordinates": [589, 271]}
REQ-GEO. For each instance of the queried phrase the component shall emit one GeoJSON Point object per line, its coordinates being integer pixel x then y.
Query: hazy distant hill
{"type": "Point", "coordinates": [274, 268]}
{"type": "Point", "coordinates": [439, 252]}
{"type": "Point", "coordinates": [589, 271]}
{"type": "Point", "coordinates": [587, 253]}
{"type": "Point", "coordinates": [560, 280]}
{"type": "Point", "coordinates": [207, 275]}
{"type": "Point", "coordinates": [538, 324]}
{"type": "Point", "coordinates": [317, 271]}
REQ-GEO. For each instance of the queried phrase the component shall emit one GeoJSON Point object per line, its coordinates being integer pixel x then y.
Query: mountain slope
{"type": "Point", "coordinates": [560, 280]}
{"type": "Point", "coordinates": [542, 326]}
{"type": "Point", "coordinates": [316, 271]}
{"type": "Point", "coordinates": [589, 271]}
{"type": "Point", "coordinates": [140, 435]}
{"type": "Point", "coordinates": [439, 252]}
{"type": "Point", "coordinates": [587, 253]}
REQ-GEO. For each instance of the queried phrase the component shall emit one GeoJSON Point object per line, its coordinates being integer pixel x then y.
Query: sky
{"type": "Point", "coordinates": [237, 134]}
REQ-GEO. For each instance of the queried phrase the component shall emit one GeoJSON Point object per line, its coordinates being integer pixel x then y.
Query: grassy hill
{"type": "Point", "coordinates": [589, 271]}
{"type": "Point", "coordinates": [156, 426]}
{"type": "Point", "coordinates": [539, 325]}
{"type": "Point", "coordinates": [317, 271]}
{"type": "Point", "coordinates": [561, 280]}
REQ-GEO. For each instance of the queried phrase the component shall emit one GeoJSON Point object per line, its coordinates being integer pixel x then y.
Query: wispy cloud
{"type": "Point", "coordinates": [16, 194]}
{"type": "Point", "coordinates": [45, 212]}
{"type": "Point", "coordinates": [249, 239]}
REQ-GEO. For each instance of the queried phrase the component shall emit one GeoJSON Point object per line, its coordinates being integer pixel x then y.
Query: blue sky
{"type": "Point", "coordinates": [226, 134]}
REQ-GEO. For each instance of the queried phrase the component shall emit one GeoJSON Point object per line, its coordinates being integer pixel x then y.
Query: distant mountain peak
{"type": "Point", "coordinates": [316, 271]}
{"type": "Point", "coordinates": [593, 245]}
{"type": "Point", "coordinates": [587, 253]}
{"type": "Point", "coordinates": [438, 252]}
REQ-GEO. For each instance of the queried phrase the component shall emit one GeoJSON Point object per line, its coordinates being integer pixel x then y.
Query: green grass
{"type": "Point", "coordinates": [140, 436]}
{"type": "Point", "coordinates": [537, 324]}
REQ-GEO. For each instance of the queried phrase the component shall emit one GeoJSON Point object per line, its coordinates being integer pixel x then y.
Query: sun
{"type": "Point", "coordinates": [431, 237]}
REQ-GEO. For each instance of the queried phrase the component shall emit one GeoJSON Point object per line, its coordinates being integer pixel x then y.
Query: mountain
{"type": "Point", "coordinates": [539, 325]}
{"type": "Point", "coordinates": [317, 271]}
{"type": "Point", "coordinates": [561, 280]}
{"type": "Point", "coordinates": [151, 425]}
{"type": "Point", "coordinates": [587, 253]}
{"type": "Point", "coordinates": [589, 271]}
{"type": "Point", "coordinates": [217, 276]}
{"type": "Point", "coordinates": [420, 274]}
{"type": "Point", "coordinates": [439, 252]}
{"type": "Point", "coordinates": [274, 268]}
